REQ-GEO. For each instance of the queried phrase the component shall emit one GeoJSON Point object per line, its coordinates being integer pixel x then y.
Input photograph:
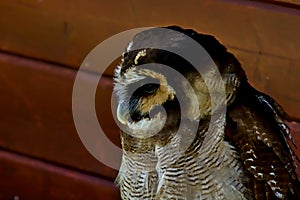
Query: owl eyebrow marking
{"type": "Point", "coordinates": [141, 53]}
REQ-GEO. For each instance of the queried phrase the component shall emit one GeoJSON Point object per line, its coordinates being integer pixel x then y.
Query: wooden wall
{"type": "Point", "coordinates": [43, 43]}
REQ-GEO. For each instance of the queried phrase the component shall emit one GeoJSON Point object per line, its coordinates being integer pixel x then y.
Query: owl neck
{"type": "Point", "coordinates": [209, 163]}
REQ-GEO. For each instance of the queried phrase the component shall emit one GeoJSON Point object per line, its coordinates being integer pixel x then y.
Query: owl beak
{"type": "Point", "coordinates": [122, 114]}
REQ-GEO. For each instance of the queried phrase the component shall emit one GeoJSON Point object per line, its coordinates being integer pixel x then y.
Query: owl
{"type": "Point", "coordinates": [198, 130]}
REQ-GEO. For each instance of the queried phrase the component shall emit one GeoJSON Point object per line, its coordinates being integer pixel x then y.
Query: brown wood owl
{"type": "Point", "coordinates": [187, 134]}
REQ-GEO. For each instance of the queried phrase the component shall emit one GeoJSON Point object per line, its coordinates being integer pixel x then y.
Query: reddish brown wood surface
{"type": "Point", "coordinates": [64, 32]}
{"type": "Point", "coordinates": [38, 114]}
{"type": "Point", "coordinates": [36, 102]}
{"type": "Point", "coordinates": [275, 76]}
{"type": "Point", "coordinates": [265, 37]}
{"type": "Point", "coordinates": [29, 179]}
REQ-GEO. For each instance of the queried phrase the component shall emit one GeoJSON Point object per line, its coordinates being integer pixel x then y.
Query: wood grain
{"type": "Point", "coordinates": [25, 178]}
{"type": "Point", "coordinates": [36, 120]}
{"type": "Point", "coordinates": [37, 102]}
{"type": "Point", "coordinates": [65, 32]}
{"type": "Point", "coordinates": [275, 76]}
{"type": "Point", "coordinates": [263, 36]}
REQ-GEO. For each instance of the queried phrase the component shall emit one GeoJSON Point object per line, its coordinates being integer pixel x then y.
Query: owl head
{"type": "Point", "coordinates": [156, 87]}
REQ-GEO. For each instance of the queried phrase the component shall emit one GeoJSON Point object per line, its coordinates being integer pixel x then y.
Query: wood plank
{"type": "Point", "coordinates": [36, 103]}
{"type": "Point", "coordinates": [65, 32]}
{"type": "Point", "coordinates": [59, 31]}
{"type": "Point", "coordinates": [265, 33]}
{"type": "Point", "coordinates": [25, 178]}
{"type": "Point", "coordinates": [37, 99]}
{"type": "Point", "coordinates": [275, 76]}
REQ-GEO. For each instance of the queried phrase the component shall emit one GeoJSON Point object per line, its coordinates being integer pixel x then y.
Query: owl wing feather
{"type": "Point", "coordinates": [255, 126]}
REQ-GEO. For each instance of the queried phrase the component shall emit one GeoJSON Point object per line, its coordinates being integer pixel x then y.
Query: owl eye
{"type": "Point", "coordinates": [149, 88]}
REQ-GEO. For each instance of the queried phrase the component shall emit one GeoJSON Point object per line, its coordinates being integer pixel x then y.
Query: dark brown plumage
{"type": "Point", "coordinates": [250, 159]}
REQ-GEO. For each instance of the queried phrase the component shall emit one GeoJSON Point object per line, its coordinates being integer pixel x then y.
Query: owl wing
{"type": "Point", "coordinates": [255, 126]}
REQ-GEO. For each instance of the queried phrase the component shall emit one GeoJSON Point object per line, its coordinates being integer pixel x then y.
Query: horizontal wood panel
{"type": "Point", "coordinates": [65, 32]}
{"type": "Point", "coordinates": [36, 107]}
{"type": "Point", "coordinates": [25, 178]}
{"type": "Point", "coordinates": [263, 36]}
{"type": "Point", "coordinates": [275, 76]}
